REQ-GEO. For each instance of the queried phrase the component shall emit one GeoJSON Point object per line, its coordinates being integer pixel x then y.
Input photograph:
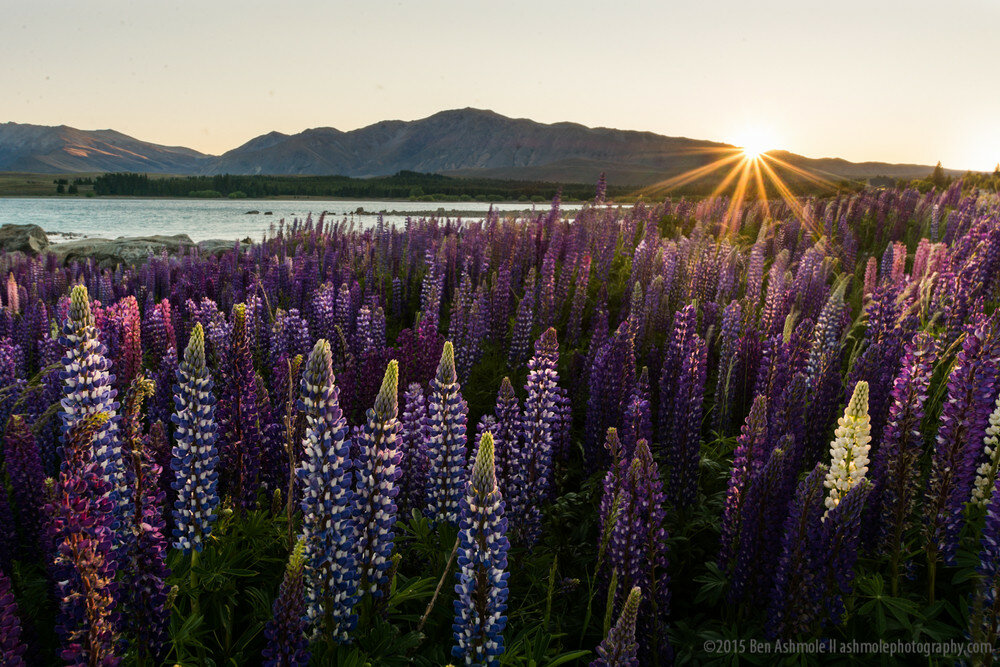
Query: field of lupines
{"type": "Point", "coordinates": [621, 439]}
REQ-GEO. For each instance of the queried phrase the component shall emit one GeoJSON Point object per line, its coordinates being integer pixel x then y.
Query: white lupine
{"type": "Point", "coordinates": [986, 475]}
{"type": "Point", "coordinates": [849, 449]}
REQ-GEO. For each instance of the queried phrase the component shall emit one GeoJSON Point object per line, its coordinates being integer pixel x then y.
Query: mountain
{"type": "Point", "coordinates": [461, 142]}
{"type": "Point", "coordinates": [62, 149]}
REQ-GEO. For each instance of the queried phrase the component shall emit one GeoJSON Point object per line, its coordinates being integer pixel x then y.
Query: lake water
{"type": "Point", "coordinates": [211, 218]}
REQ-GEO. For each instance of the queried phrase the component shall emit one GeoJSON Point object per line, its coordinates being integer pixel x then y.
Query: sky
{"type": "Point", "coordinates": [898, 81]}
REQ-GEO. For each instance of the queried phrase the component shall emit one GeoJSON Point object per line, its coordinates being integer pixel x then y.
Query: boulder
{"type": "Point", "coordinates": [29, 239]}
{"type": "Point", "coordinates": [122, 250]}
{"type": "Point", "coordinates": [221, 246]}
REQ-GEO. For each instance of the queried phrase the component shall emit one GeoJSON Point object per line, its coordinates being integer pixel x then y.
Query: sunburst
{"type": "Point", "coordinates": [751, 169]}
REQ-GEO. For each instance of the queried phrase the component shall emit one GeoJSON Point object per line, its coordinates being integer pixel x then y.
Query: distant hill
{"type": "Point", "coordinates": [462, 142]}
{"type": "Point", "coordinates": [62, 149]}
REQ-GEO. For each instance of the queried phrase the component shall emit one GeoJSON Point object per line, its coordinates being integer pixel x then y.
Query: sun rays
{"type": "Point", "coordinates": [750, 172]}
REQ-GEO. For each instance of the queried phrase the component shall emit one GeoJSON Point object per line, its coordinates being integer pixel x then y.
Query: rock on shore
{"type": "Point", "coordinates": [32, 240]}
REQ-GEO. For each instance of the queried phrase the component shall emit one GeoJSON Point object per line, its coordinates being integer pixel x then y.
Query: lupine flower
{"type": "Point", "coordinates": [849, 449]}
{"type": "Point", "coordinates": [12, 647]}
{"type": "Point", "coordinates": [147, 615]}
{"type": "Point", "coordinates": [27, 480]}
{"type": "Point", "coordinates": [239, 418]}
{"type": "Point", "coordinates": [84, 565]}
{"type": "Point", "coordinates": [985, 618]}
{"type": "Point", "coordinates": [841, 531]}
{"type": "Point", "coordinates": [523, 322]}
{"type": "Point", "coordinates": [747, 459]}
{"type": "Point", "coordinates": [895, 468]}
{"type": "Point", "coordinates": [964, 420]}
{"type": "Point", "coordinates": [797, 596]}
{"type": "Point", "coordinates": [287, 645]}
{"type": "Point", "coordinates": [480, 609]}
{"type": "Point", "coordinates": [377, 472]}
{"type": "Point", "coordinates": [533, 469]}
{"type": "Point", "coordinates": [619, 648]}
{"type": "Point", "coordinates": [413, 444]}
{"type": "Point", "coordinates": [195, 458]}
{"type": "Point", "coordinates": [637, 549]}
{"type": "Point", "coordinates": [327, 502]}
{"type": "Point", "coordinates": [506, 434]}
{"type": "Point", "coordinates": [759, 526]}
{"type": "Point", "coordinates": [446, 423]}
{"type": "Point", "coordinates": [88, 389]}
{"type": "Point", "coordinates": [986, 475]}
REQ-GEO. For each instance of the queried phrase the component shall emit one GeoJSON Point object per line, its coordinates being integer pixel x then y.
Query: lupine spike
{"type": "Point", "coordinates": [287, 645]}
{"type": "Point", "coordinates": [849, 449]}
{"type": "Point", "coordinates": [328, 503]}
{"type": "Point", "coordinates": [619, 648]}
{"type": "Point", "coordinates": [446, 419]}
{"type": "Point", "coordinates": [377, 472]}
{"type": "Point", "coordinates": [482, 566]}
{"type": "Point", "coordinates": [194, 458]}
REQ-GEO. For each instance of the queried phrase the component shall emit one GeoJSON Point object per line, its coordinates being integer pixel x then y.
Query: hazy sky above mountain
{"type": "Point", "coordinates": [900, 81]}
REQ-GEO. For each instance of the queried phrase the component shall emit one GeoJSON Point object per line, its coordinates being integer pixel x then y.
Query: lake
{"type": "Point", "coordinates": [212, 218]}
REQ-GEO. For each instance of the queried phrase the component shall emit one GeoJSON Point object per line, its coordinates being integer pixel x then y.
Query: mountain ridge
{"type": "Point", "coordinates": [455, 142]}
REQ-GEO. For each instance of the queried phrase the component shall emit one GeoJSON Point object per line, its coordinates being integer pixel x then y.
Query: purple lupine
{"type": "Point", "coordinates": [619, 648]}
{"type": "Point", "coordinates": [159, 331]}
{"type": "Point", "coordinates": [377, 469]}
{"type": "Point", "coordinates": [685, 436]}
{"type": "Point", "coordinates": [637, 549]}
{"type": "Point", "coordinates": [194, 456]}
{"type": "Point", "coordinates": [748, 457]}
{"type": "Point", "coordinates": [895, 467]}
{"type": "Point", "coordinates": [84, 565]}
{"type": "Point", "coordinates": [481, 576]}
{"type": "Point", "coordinates": [446, 424]}
{"type": "Point", "coordinates": [533, 468]}
{"type": "Point", "coordinates": [239, 415]}
{"type": "Point", "coordinates": [125, 339]}
{"type": "Point", "coordinates": [759, 527]}
{"type": "Point", "coordinates": [797, 597]}
{"type": "Point", "coordinates": [964, 419]}
{"type": "Point", "coordinates": [328, 526]}
{"type": "Point", "coordinates": [27, 479]}
{"type": "Point", "coordinates": [147, 615]}
{"type": "Point", "coordinates": [638, 420]}
{"type": "Point", "coordinates": [579, 299]}
{"type": "Point", "coordinates": [88, 389]}
{"type": "Point", "coordinates": [841, 544]}
{"type": "Point", "coordinates": [413, 445]}
{"type": "Point", "coordinates": [611, 383]}
{"type": "Point", "coordinates": [732, 318]}
{"type": "Point", "coordinates": [287, 645]}
{"type": "Point", "coordinates": [523, 322]}
{"type": "Point", "coordinates": [12, 647]}
{"type": "Point", "coordinates": [506, 435]}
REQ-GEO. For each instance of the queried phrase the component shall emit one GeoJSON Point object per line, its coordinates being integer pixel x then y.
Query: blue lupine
{"type": "Point", "coordinates": [446, 424]}
{"type": "Point", "coordinates": [194, 457]}
{"type": "Point", "coordinates": [480, 609]}
{"type": "Point", "coordinates": [327, 501]}
{"type": "Point", "coordinates": [377, 471]}
{"type": "Point", "coordinates": [533, 469]}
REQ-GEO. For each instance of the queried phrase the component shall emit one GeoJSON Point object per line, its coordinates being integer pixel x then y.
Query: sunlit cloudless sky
{"type": "Point", "coordinates": [892, 80]}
